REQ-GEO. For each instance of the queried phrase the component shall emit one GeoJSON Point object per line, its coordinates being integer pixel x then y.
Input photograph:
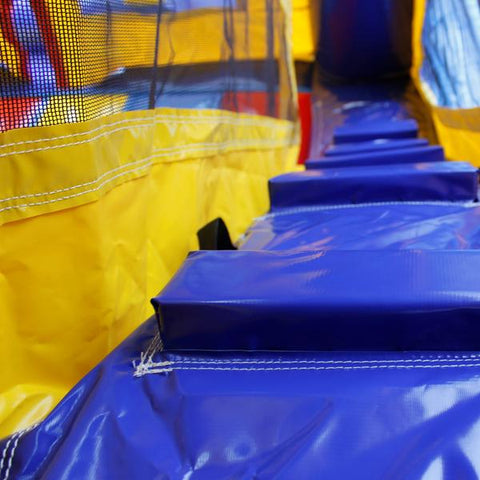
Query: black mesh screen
{"type": "Point", "coordinates": [74, 60]}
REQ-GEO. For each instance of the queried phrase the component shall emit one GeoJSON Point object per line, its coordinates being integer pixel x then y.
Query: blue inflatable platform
{"type": "Point", "coordinates": [317, 300]}
{"type": "Point", "coordinates": [372, 130]}
{"type": "Point", "coordinates": [392, 225]}
{"type": "Point", "coordinates": [403, 155]}
{"type": "Point", "coordinates": [340, 340]}
{"type": "Point", "coordinates": [440, 181]}
{"type": "Point", "coordinates": [374, 146]}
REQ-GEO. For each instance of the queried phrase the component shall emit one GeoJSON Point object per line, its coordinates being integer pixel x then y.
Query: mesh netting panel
{"type": "Point", "coordinates": [71, 61]}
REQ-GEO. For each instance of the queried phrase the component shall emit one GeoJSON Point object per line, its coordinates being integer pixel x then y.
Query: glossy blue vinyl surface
{"type": "Point", "coordinates": [368, 416]}
{"type": "Point", "coordinates": [405, 155]}
{"type": "Point", "coordinates": [373, 129]}
{"type": "Point", "coordinates": [320, 300]}
{"type": "Point", "coordinates": [387, 276]}
{"type": "Point", "coordinates": [374, 146]}
{"type": "Point", "coordinates": [368, 226]}
{"type": "Point", "coordinates": [351, 105]}
{"type": "Point", "coordinates": [437, 181]}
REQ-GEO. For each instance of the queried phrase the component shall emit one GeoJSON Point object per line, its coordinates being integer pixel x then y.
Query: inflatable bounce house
{"type": "Point", "coordinates": [239, 239]}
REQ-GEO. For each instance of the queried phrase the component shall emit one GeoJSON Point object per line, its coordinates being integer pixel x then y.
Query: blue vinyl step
{"type": "Point", "coordinates": [406, 155]}
{"type": "Point", "coordinates": [434, 181]}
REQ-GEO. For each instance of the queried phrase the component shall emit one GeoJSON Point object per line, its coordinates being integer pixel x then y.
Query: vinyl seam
{"type": "Point", "coordinates": [194, 148]}
{"type": "Point", "coordinates": [148, 367]}
{"type": "Point", "coordinates": [80, 142]}
{"type": "Point", "coordinates": [333, 362]}
{"type": "Point", "coordinates": [314, 208]}
{"type": "Point", "coordinates": [17, 437]}
{"type": "Point", "coordinates": [144, 122]}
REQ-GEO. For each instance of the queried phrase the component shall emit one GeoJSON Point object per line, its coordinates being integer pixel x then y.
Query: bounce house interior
{"type": "Point", "coordinates": [239, 239]}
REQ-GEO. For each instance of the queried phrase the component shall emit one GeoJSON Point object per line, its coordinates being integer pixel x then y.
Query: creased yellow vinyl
{"type": "Point", "coordinates": [457, 129]}
{"type": "Point", "coordinates": [97, 216]}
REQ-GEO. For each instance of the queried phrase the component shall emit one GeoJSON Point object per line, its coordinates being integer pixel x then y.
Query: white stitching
{"type": "Point", "coordinates": [12, 453]}
{"type": "Point", "coordinates": [175, 118]}
{"type": "Point", "coordinates": [5, 450]}
{"type": "Point", "coordinates": [79, 134]}
{"type": "Point", "coordinates": [72, 144]}
{"type": "Point", "coordinates": [74, 187]}
{"type": "Point", "coordinates": [152, 345]}
{"type": "Point", "coordinates": [147, 366]}
{"type": "Point", "coordinates": [168, 150]}
{"type": "Point", "coordinates": [143, 370]}
{"type": "Point", "coordinates": [14, 447]}
{"type": "Point", "coordinates": [146, 358]}
{"type": "Point", "coordinates": [141, 124]}
{"type": "Point", "coordinates": [149, 370]}
{"type": "Point", "coordinates": [191, 149]}
{"type": "Point", "coordinates": [314, 208]}
{"type": "Point", "coordinates": [166, 153]}
{"type": "Point", "coordinates": [66, 197]}
{"type": "Point", "coordinates": [333, 362]}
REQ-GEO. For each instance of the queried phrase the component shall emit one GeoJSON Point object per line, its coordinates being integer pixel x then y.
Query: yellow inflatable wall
{"type": "Point", "coordinates": [97, 215]}
{"type": "Point", "coordinates": [457, 129]}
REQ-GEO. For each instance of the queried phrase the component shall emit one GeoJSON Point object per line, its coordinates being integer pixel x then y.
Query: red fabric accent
{"type": "Point", "coordinates": [305, 112]}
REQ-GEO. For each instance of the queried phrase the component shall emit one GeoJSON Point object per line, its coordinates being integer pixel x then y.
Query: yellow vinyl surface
{"type": "Point", "coordinates": [457, 129]}
{"type": "Point", "coordinates": [95, 219]}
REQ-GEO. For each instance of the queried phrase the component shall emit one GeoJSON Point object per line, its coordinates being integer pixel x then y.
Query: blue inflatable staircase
{"type": "Point", "coordinates": [340, 340]}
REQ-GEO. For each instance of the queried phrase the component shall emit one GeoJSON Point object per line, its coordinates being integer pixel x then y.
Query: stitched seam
{"type": "Point", "coordinates": [151, 346]}
{"type": "Point", "coordinates": [74, 187]}
{"type": "Point", "coordinates": [327, 362]}
{"type": "Point", "coordinates": [14, 447]}
{"type": "Point", "coordinates": [144, 367]}
{"type": "Point", "coordinates": [5, 450]}
{"type": "Point", "coordinates": [147, 366]}
{"type": "Point", "coordinates": [86, 184]}
{"type": "Point", "coordinates": [174, 118]}
{"type": "Point", "coordinates": [53, 147]}
{"type": "Point", "coordinates": [146, 358]}
{"type": "Point", "coordinates": [141, 124]}
{"type": "Point", "coordinates": [166, 368]}
{"type": "Point", "coordinates": [292, 210]}
{"type": "Point", "coordinates": [190, 149]}
{"type": "Point", "coordinates": [154, 346]}
{"type": "Point", "coordinates": [67, 197]}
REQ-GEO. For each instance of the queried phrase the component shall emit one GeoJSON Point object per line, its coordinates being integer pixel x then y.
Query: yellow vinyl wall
{"type": "Point", "coordinates": [96, 216]}
{"type": "Point", "coordinates": [457, 130]}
